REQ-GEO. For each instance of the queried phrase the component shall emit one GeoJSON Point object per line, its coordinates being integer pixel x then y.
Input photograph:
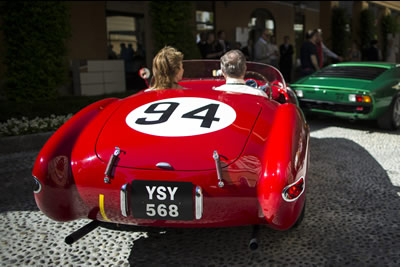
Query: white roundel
{"type": "Point", "coordinates": [181, 116]}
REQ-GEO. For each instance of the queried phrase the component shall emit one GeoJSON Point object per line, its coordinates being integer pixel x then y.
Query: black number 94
{"type": "Point", "coordinates": [207, 120]}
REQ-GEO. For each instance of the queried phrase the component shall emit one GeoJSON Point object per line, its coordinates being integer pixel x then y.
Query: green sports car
{"type": "Point", "coordinates": [354, 90]}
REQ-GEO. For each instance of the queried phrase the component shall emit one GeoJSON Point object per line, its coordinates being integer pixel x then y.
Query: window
{"type": "Point", "coordinates": [261, 19]}
{"type": "Point", "coordinates": [269, 24]}
{"type": "Point", "coordinates": [125, 33]}
{"type": "Point", "coordinates": [204, 20]}
{"type": "Point", "coordinates": [125, 29]}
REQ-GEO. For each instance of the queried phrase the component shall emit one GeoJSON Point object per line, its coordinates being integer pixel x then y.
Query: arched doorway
{"type": "Point", "coordinates": [261, 19]}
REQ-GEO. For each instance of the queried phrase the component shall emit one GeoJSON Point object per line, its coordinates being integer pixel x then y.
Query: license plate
{"type": "Point", "coordinates": [162, 200]}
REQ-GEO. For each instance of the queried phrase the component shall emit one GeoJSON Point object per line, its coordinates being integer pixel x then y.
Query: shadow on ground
{"type": "Point", "coordinates": [352, 218]}
{"type": "Point", "coordinates": [16, 191]}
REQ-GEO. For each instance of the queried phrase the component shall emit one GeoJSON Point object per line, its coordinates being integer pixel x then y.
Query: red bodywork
{"type": "Point", "coordinates": [262, 152]}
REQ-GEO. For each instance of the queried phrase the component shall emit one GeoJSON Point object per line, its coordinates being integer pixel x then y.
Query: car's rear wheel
{"type": "Point", "coordinates": [390, 120]}
{"type": "Point", "coordinates": [301, 217]}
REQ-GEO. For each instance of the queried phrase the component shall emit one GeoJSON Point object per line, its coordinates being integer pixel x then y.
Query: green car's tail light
{"type": "Point", "coordinates": [360, 98]}
{"type": "Point", "coordinates": [299, 93]}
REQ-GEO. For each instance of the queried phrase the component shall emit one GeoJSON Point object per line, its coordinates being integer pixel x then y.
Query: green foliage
{"type": "Point", "coordinates": [367, 28]}
{"type": "Point", "coordinates": [173, 24]}
{"type": "Point", "coordinates": [35, 34]}
{"type": "Point", "coordinates": [42, 108]}
{"type": "Point", "coordinates": [340, 36]}
{"type": "Point", "coordinates": [388, 25]}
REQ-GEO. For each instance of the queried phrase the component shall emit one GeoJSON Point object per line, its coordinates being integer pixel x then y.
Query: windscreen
{"type": "Point", "coordinates": [210, 70]}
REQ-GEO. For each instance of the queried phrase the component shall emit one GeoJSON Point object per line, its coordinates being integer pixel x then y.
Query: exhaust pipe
{"type": "Point", "coordinates": [352, 119]}
{"type": "Point", "coordinates": [253, 244]}
{"type": "Point", "coordinates": [78, 234]}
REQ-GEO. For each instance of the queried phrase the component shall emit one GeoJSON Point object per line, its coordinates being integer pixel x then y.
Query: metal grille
{"type": "Point", "coordinates": [352, 72]}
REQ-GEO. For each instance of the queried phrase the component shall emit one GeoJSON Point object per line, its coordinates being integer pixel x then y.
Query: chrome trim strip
{"type": "Point", "coordinates": [218, 167]}
{"type": "Point", "coordinates": [287, 187]}
{"type": "Point", "coordinates": [199, 202]}
{"type": "Point", "coordinates": [305, 166]}
{"type": "Point", "coordinates": [37, 191]}
{"type": "Point", "coordinates": [124, 200]}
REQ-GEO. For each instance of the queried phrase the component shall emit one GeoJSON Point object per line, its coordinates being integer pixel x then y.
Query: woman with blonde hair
{"type": "Point", "coordinates": [167, 69]}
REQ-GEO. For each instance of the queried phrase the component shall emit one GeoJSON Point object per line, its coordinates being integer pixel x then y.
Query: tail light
{"type": "Point", "coordinates": [294, 191]}
{"type": "Point", "coordinates": [360, 98]}
{"type": "Point", "coordinates": [299, 93]}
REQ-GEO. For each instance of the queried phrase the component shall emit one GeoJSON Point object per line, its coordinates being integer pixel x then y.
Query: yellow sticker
{"type": "Point", "coordinates": [101, 204]}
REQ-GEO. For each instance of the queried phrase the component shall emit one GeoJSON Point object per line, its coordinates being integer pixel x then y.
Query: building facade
{"type": "Point", "coordinates": [102, 30]}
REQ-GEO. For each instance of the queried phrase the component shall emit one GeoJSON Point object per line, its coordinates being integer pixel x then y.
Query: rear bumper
{"type": "Point", "coordinates": [353, 110]}
{"type": "Point", "coordinates": [234, 204]}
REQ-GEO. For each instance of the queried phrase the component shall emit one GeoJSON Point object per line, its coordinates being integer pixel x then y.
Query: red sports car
{"type": "Point", "coordinates": [193, 157]}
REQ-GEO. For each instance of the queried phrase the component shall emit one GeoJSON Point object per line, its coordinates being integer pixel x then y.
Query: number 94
{"type": "Point", "coordinates": [207, 120]}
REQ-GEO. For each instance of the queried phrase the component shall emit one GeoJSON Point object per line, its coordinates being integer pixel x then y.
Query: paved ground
{"type": "Point", "coordinates": [352, 217]}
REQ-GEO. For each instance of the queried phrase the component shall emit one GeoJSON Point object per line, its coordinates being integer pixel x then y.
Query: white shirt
{"type": "Point", "coordinates": [238, 86]}
{"type": "Point", "coordinates": [261, 51]}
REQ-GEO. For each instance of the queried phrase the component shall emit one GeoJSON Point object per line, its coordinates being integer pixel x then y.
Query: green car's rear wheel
{"type": "Point", "coordinates": [391, 118]}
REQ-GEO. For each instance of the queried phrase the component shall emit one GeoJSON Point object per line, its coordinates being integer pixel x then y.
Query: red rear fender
{"type": "Point", "coordinates": [58, 197]}
{"type": "Point", "coordinates": [286, 161]}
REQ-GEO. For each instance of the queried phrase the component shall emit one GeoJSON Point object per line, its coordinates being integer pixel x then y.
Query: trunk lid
{"type": "Point", "coordinates": [179, 127]}
{"type": "Point", "coordinates": [333, 84]}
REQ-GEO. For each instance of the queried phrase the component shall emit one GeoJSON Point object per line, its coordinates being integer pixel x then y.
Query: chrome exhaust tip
{"type": "Point", "coordinates": [253, 244]}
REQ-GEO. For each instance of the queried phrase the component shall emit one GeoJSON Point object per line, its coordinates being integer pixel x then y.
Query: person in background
{"type": "Point", "coordinates": [286, 59]}
{"type": "Point", "coordinates": [111, 52]}
{"type": "Point", "coordinates": [130, 51]}
{"type": "Point", "coordinates": [308, 54]}
{"type": "Point", "coordinates": [237, 46]}
{"type": "Point", "coordinates": [273, 48]}
{"type": "Point", "coordinates": [167, 69]}
{"type": "Point", "coordinates": [129, 58]}
{"type": "Point", "coordinates": [202, 44]}
{"type": "Point", "coordinates": [323, 51]}
{"type": "Point", "coordinates": [354, 54]}
{"type": "Point", "coordinates": [222, 44]}
{"type": "Point", "coordinates": [373, 53]}
{"type": "Point", "coordinates": [248, 50]}
{"type": "Point", "coordinates": [139, 61]}
{"type": "Point", "coordinates": [211, 48]}
{"type": "Point", "coordinates": [261, 49]}
{"type": "Point", "coordinates": [233, 67]}
{"type": "Point", "coordinates": [123, 54]}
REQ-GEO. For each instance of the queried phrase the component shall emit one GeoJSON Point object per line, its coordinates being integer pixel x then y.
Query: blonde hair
{"type": "Point", "coordinates": [166, 65]}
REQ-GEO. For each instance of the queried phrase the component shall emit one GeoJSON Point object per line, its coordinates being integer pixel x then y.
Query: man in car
{"type": "Point", "coordinates": [233, 67]}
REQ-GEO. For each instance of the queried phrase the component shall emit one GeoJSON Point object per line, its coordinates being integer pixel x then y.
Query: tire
{"type": "Point", "coordinates": [390, 120]}
{"type": "Point", "coordinates": [301, 217]}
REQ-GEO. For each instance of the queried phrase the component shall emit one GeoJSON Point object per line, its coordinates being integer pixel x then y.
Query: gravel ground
{"type": "Point", "coordinates": [352, 216]}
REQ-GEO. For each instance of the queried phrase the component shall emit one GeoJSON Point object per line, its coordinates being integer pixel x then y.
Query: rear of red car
{"type": "Point", "coordinates": [178, 158]}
